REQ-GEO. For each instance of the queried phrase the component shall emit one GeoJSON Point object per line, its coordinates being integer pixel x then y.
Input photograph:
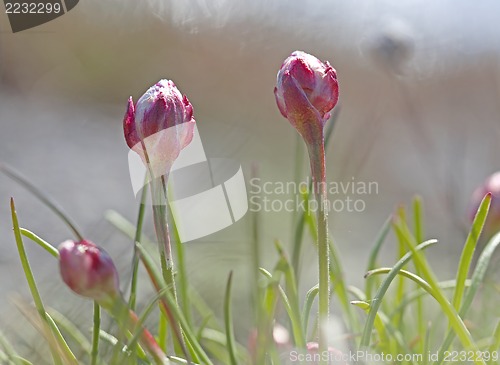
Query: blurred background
{"type": "Point", "coordinates": [419, 114]}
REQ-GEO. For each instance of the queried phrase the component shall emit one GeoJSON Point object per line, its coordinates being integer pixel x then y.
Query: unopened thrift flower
{"type": "Point", "coordinates": [159, 126]}
{"type": "Point", "coordinates": [89, 271]}
{"type": "Point", "coordinates": [306, 91]}
{"type": "Point", "coordinates": [490, 185]}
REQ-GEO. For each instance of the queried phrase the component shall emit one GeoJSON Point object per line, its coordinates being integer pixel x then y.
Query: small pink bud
{"type": "Point", "coordinates": [306, 91]}
{"type": "Point", "coordinates": [159, 126]}
{"type": "Point", "coordinates": [491, 185]}
{"type": "Point", "coordinates": [88, 270]}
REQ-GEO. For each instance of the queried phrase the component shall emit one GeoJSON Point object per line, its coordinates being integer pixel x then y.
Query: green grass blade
{"type": "Point", "coordinates": [378, 324]}
{"type": "Point", "coordinates": [475, 284]}
{"type": "Point", "coordinates": [407, 274]}
{"type": "Point", "coordinates": [42, 243]}
{"type": "Point", "coordinates": [468, 251]}
{"type": "Point", "coordinates": [419, 236]}
{"type": "Point", "coordinates": [376, 302]}
{"type": "Point", "coordinates": [306, 311]}
{"type": "Point", "coordinates": [293, 296]}
{"type": "Point", "coordinates": [137, 238]}
{"type": "Point", "coordinates": [228, 319]}
{"type": "Point", "coordinates": [29, 274]}
{"type": "Point", "coordinates": [372, 259]}
{"type": "Point", "coordinates": [454, 319]}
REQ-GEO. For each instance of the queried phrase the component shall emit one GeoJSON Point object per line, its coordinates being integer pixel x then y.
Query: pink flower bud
{"type": "Point", "coordinates": [88, 270]}
{"type": "Point", "coordinates": [306, 91]}
{"type": "Point", "coordinates": [491, 185]}
{"type": "Point", "coordinates": [159, 126]}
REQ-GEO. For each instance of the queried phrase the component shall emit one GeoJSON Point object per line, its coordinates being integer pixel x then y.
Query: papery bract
{"type": "Point", "coordinates": [88, 270]}
{"type": "Point", "coordinates": [159, 126]}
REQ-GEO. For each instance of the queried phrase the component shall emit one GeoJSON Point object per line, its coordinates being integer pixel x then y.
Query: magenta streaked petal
{"type": "Point", "coordinates": [306, 92]}
{"type": "Point", "coordinates": [88, 270]}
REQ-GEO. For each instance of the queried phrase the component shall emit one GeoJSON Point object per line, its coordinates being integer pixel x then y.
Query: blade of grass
{"type": "Point", "coordinates": [475, 283]}
{"type": "Point", "coordinates": [29, 275]}
{"type": "Point", "coordinates": [454, 319]}
{"type": "Point", "coordinates": [228, 319]}
{"type": "Point", "coordinates": [403, 273]}
{"type": "Point", "coordinates": [295, 318]}
{"type": "Point", "coordinates": [306, 311]}
{"type": "Point", "coordinates": [400, 289]}
{"type": "Point", "coordinates": [137, 238]}
{"type": "Point", "coordinates": [293, 296]}
{"type": "Point", "coordinates": [379, 326]}
{"type": "Point", "coordinates": [419, 236]}
{"type": "Point", "coordinates": [372, 258]}
{"type": "Point", "coordinates": [416, 294]}
{"type": "Point", "coordinates": [42, 243]}
{"type": "Point", "coordinates": [377, 300]}
{"type": "Point", "coordinates": [468, 251]}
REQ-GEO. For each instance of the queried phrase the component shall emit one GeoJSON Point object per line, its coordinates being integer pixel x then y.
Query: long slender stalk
{"type": "Point", "coordinates": [159, 199]}
{"type": "Point", "coordinates": [318, 170]}
{"type": "Point", "coordinates": [95, 334]}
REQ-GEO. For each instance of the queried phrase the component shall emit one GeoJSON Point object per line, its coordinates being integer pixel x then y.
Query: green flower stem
{"type": "Point", "coordinates": [95, 334]}
{"type": "Point", "coordinates": [159, 199]}
{"type": "Point", "coordinates": [318, 170]}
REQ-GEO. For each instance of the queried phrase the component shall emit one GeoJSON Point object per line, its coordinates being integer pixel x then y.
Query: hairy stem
{"type": "Point", "coordinates": [318, 171]}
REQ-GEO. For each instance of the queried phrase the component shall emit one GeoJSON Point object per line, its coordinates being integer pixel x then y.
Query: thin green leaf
{"type": "Point", "coordinates": [468, 251]}
{"type": "Point", "coordinates": [306, 312]}
{"type": "Point", "coordinates": [228, 319]}
{"type": "Point", "coordinates": [475, 283]}
{"type": "Point", "coordinates": [42, 243]}
{"type": "Point", "coordinates": [29, 275]}
{"type": "Point", "coordinates": [454, 319]}
{"type": "Point", "coordinates": [375, 303]}
{"type": "Point", "coordinates": [372, 259]}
